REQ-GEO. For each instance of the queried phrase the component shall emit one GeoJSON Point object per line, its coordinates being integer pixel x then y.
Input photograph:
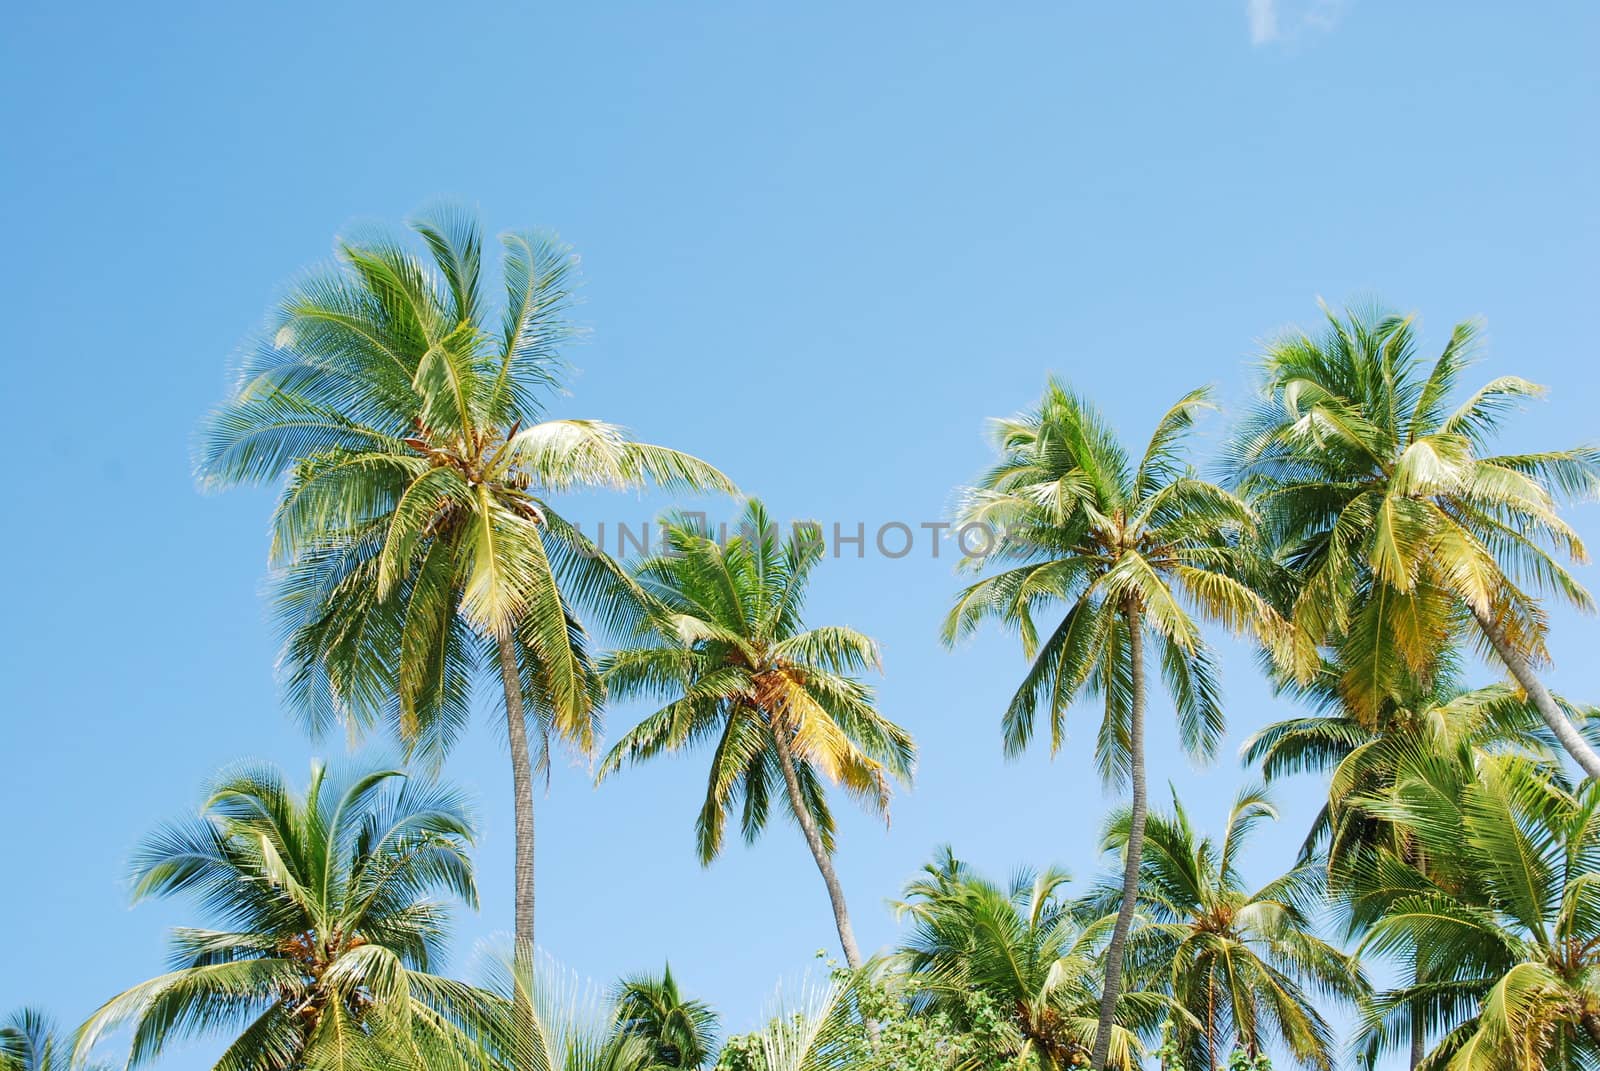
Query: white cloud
{"type": "Point", "coordinates": [1286, 20]}
{"type": "Point", "coordinates": [1263, 21]}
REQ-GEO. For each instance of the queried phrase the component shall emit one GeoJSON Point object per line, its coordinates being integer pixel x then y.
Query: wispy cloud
{"type": "Point", "coordinates": [1285, 20]}
{"type": "Point", "coordinates": [1263, 21]}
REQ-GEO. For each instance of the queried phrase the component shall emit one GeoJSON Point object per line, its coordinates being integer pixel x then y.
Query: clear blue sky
{"type": "Point", "coordinates": [822, 243]}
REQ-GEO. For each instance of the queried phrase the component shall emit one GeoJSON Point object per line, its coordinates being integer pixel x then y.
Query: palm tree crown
{"type": "Point", "coordinates": [415, 540]}
{"type": "Point", "coordinates": [727, 647]}
{"type": "Point", "coordinates": [1398, 520]}
{"type": "Point", "coordinates": [1022, 950]}
{"type": "Point", "coordinates": [1238, 960]}
{"type": "Point", "coordinates": [1497, 908]}
{"type": "Point", "coordinates": [328, 931]}
{"type": "Point", "coordinates": [1361, 753]}
{"type": "Point", "coordinates": [1094, 532]}
{"type": "Point", "coordinates": [682, 1032]}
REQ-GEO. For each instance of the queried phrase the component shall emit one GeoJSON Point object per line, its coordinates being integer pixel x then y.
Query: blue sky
{"type": "Point", "coordinates": [822, 243]}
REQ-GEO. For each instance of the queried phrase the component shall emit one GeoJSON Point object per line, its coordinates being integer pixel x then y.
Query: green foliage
{"type": "Point", "coordinates": [1243, 962]}
{"type": "Point", "coordinates": [1495, 911]}
{"type": "Point", "coordinates": [742, 1052]}
{"type": "Point", "coordinates": [1360, 755]}
{"type": "Point", "coordinates": [1367, 528]}
{"type": "Point", "coordinates": [905, 1033]}
{"type": "Point", "coordinates": [1127, 549]}
{"type": "Point", "coordinates": [329, 932]}
{"type": "Point", "coordinates": [1083, 527]}
{"type": "Point", "coordinates": [1379, 492]}
{"type": "Point", "coordinates": [414, 543]}
{"type": "Point", "coordinates": [538, 1016]}
{"type": "Point", "coordinates": [725, 646]}
{"type": "Point", "coordinates": [681, 1032]}
{"type": "Point", "coordinates": [1015, 967]}
{"type": "Point", "coordinates": [29, 1042]}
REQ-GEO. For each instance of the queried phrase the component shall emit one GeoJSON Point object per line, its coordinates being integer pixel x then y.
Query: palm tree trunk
{"type": "Point", "coordinates": [1211, 1019]}
{"type": "Point", "coordinates": [841, 913]}
{"type": "Point", "coordinates": [522, 787]}
{"type": "Point", "coordinates": [1419, 1038]}
{"type": "Point", "coordinates": [1554, 716]}
{"type": "Point", "coordinates": [1135, 848]}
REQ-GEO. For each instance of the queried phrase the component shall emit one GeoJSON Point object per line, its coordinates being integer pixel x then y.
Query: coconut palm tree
{"type": "Point", "coordinates": [682, 1033]}
{"type": "Point", "coordinates": [1023, 950]}
{"type": "Point", "coordinates": [725, 646]}
{"type": "Point", "coordinates": [327, 930]}
{"type": "Point", "coordinates": [1240, 961]}
{"type": "Point", "coordinates": [543, 1017]}
{"type": "Point", "coordinates": [1501, 916]}
{"type": "Point", "coordinates": [29, 1041]}
{"type": "Point", "coordinates": [1365, 756]}
{"type": "Point", "coordinates": [414, 542]}
{"type": "Point", "coordinates": [1400, 523]}
{"type": "Point", "coordinates": [1129, 549]}
{"type": "Point", "coordinates": [817, 1029]}
{"type": "Point", "coordinates": [1360, 752]}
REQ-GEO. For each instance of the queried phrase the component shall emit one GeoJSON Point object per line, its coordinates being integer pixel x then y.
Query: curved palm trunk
{"type": "Point", "coordinates": [1130, 869]}
{"type": "Point", "coordinates": [1419, 1038]}
{"type": "Point", "coordinates": [841, 913]}
{"type": "Point", "coordinates": [1559, 723]}
{"type": "Point", "coordinates": [522, 787]}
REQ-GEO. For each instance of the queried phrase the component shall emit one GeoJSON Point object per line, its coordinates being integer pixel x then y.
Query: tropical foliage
{"type": "Point", "coordinates": [1129, 549]}
{"type": "Point", "coordinates": [725, 646]}
{"type": "Point", "coordinates": [1380, 490]}
{"type": "Point", "coordinates": [29, 1041]}
{"type": "Point", "coordinates": [1495, 907]}
{"type": "Point", "coordinates": [326, 930]}
{"type": "Point", "coordinates": [414, 543]}
{"type": "Point", "coordinates": [974, 947]}
{"type": "Point", "coordinates": [1245, 963]}
{"type": "Point", "coordinates": [681, 1032]}
{"type": "Point", "coordinates": [1367, 536]}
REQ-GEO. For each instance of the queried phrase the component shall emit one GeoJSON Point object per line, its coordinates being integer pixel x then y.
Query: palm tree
{"type": "Point", "coordinates": [327, 931]}
{"type": "Point", "coordinates": [1128, 549]}
{"type": "Point", "coordinates": [542, 1016]}
{"type": "Point", "coordinates": [1237, 960]}
{"type": "Point", "coordinates": [1020, 950]}
{"type": "Point", "coordinates": [820, 1029]}
{"type": "Point", "coordinates": [29, 1042]}
{"type": "Point", "coordinates": [414, 541]}
{"type": "Point", "coordinates": [1360, 753]}
{"type": "Point", "coordinates": [725, 646]}
{"type": "Point", "coordinates": [1365, 756]}
{"type": "Point", "coordinates": [682, 1032]}
{"type": "Point", "coordinates": [1501, 916]}
{"type": "Point", "coordinates": [1399, 522]}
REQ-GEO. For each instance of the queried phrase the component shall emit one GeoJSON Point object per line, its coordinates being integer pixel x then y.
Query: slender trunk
{"type": "Point", "coordinates": [841, 913]}
{"type": "Point", "coordinates": [1559, 723]}
{"type": "Point", "coordinates": [522, 787]}
{"type": "Point", "coordinates": [1211, 1019]}
{"type": "Point", "coordinates": [1419, 1025]}
{"type": "Point", "coordinates": [1130, 868]}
